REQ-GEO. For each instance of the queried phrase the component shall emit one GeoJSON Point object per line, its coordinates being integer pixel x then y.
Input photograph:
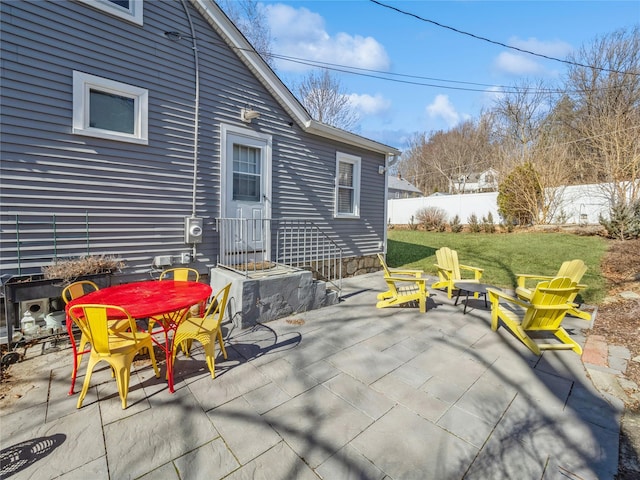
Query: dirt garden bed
{"type": "Point", "coordinates": [618, 321]}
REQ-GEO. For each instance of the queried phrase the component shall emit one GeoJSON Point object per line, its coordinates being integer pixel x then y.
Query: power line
{"type": "Point", "coordinates": [385, 76]}
{"type": "Point", "coordinates": [382, 75]}
{"type": "Point", "coordinates": [478, 37]}
{"type": "Point", "coordinates": [327, 64]}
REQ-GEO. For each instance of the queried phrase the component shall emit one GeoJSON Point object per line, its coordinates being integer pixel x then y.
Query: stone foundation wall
{"type": "Point", "coordinates": [360, 265]}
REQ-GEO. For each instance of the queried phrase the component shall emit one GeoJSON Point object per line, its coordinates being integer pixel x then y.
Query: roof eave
{"type": "Point", "coordinates": [327, 131]}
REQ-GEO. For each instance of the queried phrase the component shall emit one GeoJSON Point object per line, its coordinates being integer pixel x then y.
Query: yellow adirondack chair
{"type": "Point", "coordinates": [449, 270]}
{"type": "Point", "coordinates": [574, 269]}
{"type": "Point", "coordinates": [542, 314]}
{"type": "Point", "coordinates": [404, 286]}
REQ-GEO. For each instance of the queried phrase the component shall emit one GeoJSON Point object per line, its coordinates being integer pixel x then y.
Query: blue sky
{"type": "Point", "coordinates": [365, 35]}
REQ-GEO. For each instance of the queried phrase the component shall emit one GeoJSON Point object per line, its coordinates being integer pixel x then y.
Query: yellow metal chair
{"type": "Point", "coordinates": [180, 274]}
{"type": "Point", "coordinates": [204, 329]}
{"type": "Point", "coordinates": [542, 314]}
{"type": "Point", "coordinates": [77, 290]}
{"type": "Point", "coordinates": [404, 286]}
{"type": "Point", "coordinates": [118, 349]}
{"type": "Point", "coordinates": [450, 271]}
{"type": "Point", "coordinates": [574, 269]}
{"type": "Point", "coordinates": [71, 292]}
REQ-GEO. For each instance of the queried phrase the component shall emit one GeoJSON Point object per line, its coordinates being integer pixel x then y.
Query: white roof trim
{"type": "Point", "coordinates": [236, 40]}
{"type": "Point", "coordinates": [327, 131]}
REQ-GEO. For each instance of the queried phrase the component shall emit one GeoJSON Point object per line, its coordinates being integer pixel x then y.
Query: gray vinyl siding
{"type": "Point", "coordinates": [129, 200]}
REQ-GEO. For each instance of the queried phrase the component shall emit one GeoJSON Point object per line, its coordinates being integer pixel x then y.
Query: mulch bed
{"type": "Point", "coordinates": [618, 319]}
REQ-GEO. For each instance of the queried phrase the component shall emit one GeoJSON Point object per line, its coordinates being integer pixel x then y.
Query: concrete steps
{"type": "Point", "coordinates": [269, 297]}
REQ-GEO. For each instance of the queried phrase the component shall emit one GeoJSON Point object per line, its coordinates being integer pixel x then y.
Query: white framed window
{"type": "Point", "coordinates": [347, 186]}
{"type": "Point", "coordinates": [108, 109]}
{"type": "Point", "coordinates": [130, 10]}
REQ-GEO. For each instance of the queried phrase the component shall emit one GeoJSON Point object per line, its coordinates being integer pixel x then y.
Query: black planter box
{"type": "Point", "coordinates": [31, 287]}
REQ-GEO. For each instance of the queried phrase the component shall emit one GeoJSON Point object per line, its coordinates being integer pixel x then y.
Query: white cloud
{"type": "Point", "coordinates": [442, 108]}
{"type": "Point", "coordinates": [556, 49]}
{"type": "Point", "coordinates": [369, 105]}
{"type": "Point", "coordinates": [517, 64]}
{"type": "Point", "coordinates": [520, 63]}
{"type": "Point", "coordinates": [301, 33]}
{"type": "Point", "coordinates": [397, 138]}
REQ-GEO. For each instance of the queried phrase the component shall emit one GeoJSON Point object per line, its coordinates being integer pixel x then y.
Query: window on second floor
{"type": "Point", "coordinates": [130, 10]}
{"type": "Point", "coordinates": [347, 186]}
{"type": "Point", "coordinates": [107, 109]}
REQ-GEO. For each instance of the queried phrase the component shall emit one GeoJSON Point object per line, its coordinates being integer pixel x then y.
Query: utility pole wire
{"type": "Point", "coordinates": [499, 43]}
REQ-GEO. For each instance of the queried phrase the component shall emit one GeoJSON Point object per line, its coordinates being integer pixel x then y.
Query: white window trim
{"type": "Point", "coordinates": [132, 14]}
{"type": "Point", "coordinates": [82, 85]}
{"type": "Point", "coordinates": [355, 161]}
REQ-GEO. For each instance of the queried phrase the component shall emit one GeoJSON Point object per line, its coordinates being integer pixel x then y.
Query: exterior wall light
{"type": "Point", "coordinates": [247, 114]}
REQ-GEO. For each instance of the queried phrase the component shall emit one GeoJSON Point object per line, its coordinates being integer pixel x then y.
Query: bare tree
{"type": "Point", "coordinates": [606, 97]}
{"type": "Point", "coordinates": [530, 135]}
{"type": "Point", "coordinates": [326, 101]}
{"type": "Point", "coordinates": [249, 17]}
{"type": "Point", "coordinates": [520, 115]}
{"type": "Point", "coordinates": [444, 161]}
{"type": "Point", "coordinates": [415, 165]}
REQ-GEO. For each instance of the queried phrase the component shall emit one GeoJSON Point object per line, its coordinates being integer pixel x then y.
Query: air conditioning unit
{"type": "Point", "coordinates": [38, 307]}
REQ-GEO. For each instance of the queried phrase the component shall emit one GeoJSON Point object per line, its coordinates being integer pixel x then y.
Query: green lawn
{"type": "Point", "coordinates": [503, 255]}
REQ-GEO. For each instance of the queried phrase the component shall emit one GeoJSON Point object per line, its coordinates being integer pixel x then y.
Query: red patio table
{"type": "Point", "coordinates": [166, 302]}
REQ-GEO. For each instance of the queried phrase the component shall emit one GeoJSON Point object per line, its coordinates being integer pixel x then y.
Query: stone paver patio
{"type": "Point", "coordinates": [344, 392]}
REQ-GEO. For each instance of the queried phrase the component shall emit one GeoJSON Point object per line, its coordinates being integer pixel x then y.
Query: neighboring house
{"type": "Point", "coordinates": [130, 128]}
{"type": "Point", "coordinates": [486, 181]}
{"type": "Point", "coordinates": [398, 187]}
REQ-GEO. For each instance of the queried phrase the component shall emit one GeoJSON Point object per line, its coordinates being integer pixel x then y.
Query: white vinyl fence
{"type": "Point", "coordinates": [577, 204]}
{"type": "Point", "coordinates": [400, 210]}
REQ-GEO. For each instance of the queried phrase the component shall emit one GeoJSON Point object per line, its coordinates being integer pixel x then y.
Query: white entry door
{"type": "Point", "coordinates": [246, 192]}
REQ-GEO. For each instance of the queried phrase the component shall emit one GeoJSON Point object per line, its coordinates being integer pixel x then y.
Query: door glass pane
{"type": "Point", "coordinates": [246, 187]}
{"type": "Point", "coordinates": [111, 112]}
{"type": "Point", "coordinates": [246, 173]}
{"type": "Point", "coordinates": [246, 159]}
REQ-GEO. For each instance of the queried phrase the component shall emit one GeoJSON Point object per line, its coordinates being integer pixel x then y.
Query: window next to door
{"type": "Point", "coordinates": [347, 186]}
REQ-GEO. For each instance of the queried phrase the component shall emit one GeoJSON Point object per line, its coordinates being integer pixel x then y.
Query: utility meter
{"type": "Point", "coordinates": [193, 230]}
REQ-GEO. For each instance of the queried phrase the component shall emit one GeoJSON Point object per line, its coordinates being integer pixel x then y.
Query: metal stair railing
{"type": "Point", "coordinates": [246, 247]}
